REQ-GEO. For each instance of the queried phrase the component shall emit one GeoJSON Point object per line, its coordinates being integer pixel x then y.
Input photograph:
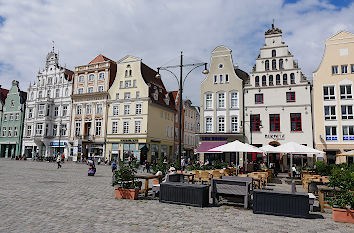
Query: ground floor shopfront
{"type": "Point", "coordinates": [331, 151]}
{"type": "Point", "coordinates": [82, 149]}
{"type": "Point", "coordinates": [140, 148]}
{"type": "Point", "coordinates": [46, 148]}
{"type": "Point", "coordinates": [10, 150]}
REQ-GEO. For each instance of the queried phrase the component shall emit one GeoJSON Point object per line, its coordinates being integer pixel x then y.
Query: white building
{"type": "Point", "coordinates": [277, 99]}
{"type": "Point", "coordinates": [48, 110]}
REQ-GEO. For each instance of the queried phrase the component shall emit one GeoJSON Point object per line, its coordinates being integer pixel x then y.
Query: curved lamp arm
{"type": "Point", "coordinates": [171, 73]}
{"type": "Point", "coordinates": [191, 71]}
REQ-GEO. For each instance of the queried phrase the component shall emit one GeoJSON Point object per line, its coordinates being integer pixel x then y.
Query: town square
{"type": "Point", "coordinates": [177, 116]}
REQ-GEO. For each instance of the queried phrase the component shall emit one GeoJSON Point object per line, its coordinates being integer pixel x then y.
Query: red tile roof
{"type": "Point", "coordinates": [100, 58]}
{"type": "Point", "coordinates": [3, 94]}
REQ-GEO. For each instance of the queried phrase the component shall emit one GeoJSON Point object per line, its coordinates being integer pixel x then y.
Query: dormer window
{"type": "Point", "coordinates": [167, 101]}
{"type": "Point", "coordinates": [156, 95]}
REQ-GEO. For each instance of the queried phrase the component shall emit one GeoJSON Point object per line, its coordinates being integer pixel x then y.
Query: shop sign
{"type": "Point", "coordinates": [57, 143]}
{"type": "Point", "coordinates": [275, 136]}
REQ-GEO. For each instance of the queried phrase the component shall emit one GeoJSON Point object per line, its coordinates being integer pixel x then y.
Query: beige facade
{"type": "Point", "coordinates": [89, 107]}
{"type": "Point", "coordinates": [333, 97]}
{"type": "Point", "coordinates": [140, 115]}
{"type": "Point", "coordinates": [190, 128]}
{"type": "Point", "coordinates": [221, 103]}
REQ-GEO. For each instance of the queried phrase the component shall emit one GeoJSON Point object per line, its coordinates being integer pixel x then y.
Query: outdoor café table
{"type": "Point", "coordinates": [147, 177]}
{"type": "Point", "coordinates": [324, 190]}
{"type": "Point", "coordinates": [187, 174]}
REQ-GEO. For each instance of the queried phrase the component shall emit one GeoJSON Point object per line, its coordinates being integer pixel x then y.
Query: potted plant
{"type": "Point", "coordinates": [342, 180]}
{"type": "Point", "coordinates": [126, 187]}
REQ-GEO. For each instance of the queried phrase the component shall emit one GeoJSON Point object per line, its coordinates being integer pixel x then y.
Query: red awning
{"type": "Point", "coordinates": [206, 146]}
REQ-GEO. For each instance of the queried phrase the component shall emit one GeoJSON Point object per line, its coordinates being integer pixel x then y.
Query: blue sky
{"type": "Point", "coordinates": [158, 30]}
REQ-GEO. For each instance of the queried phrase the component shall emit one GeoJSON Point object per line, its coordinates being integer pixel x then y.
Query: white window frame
{"type": "Point", "coordinates": [41, 109]}
{"type": "Point", "coordinates": [126, 127]}
{"type": "Point", "coordinates": [329, 96]}
{"type": "Point", "coordinates": [209, 101]}
{"type": "Point", "coordinates": [63, 129]}
{"type": "Point", "coordinates": [221, 101]}
{"type": "Point", "coordinates": [348, 132]}
{"type": "Point", "coordinates": [234, 100]}
{"type": "Point", "coordinates": [81, 79]}
{"type": "Point", "coordinates": [128, 84]}
{"type": "Point", "coordinates": [78, 109]}
{"type": "Point", "coordinates": [126, 109]}
{"type": "Point", "coordinates": [347, 115]}
{"type": "Point", "coordinates": [100, 88]}
{"type": "Point", "coordinates": [127, 95]}
{"type": "Point", "coordinates": [115, 110]}
{"type": "Point", "coordinates": [4, 130]}
{"type": "Point", "coordinates": [98, 128]}
{"type": "Point", "coordinates": [57, 93]}
{"type": "Point", "coordinates": [99, 108]}
{"type": "Point", "coordinates": [88, 109]}
{"type": "Point", "coordinates": [65, 110]}
{"type": "Point", "coordinates": [334, 70]}
{"type": "Point", "coordinates": [208, 124]}
{"type": "Point", "coordinates": [234, 124]}
{"type": "Point", "coordinates": [344, 69]}
{"type": "Point", "coordinates": [346, 95]}
{"type": "Point", "coordinates": [115, 127]}
{"type": "Point", "coordinates": [331, 136]}
{"type": "Point", "coordinates": [55, 130]}
{"type": "Point", "coordinates": [138, 108]}
{"type": "Point", "coordinates": [39, 130]}
{"type": "Point", "coordinates": [91, 77]}
{"type": "Point", "coordinates": [101, 76]}
{"type": "Point", "coordinates": [137, 126]}
{"type": "Point", "coordinates": [90, 90]}
{"type": "Point", "coordinates": [56, 111]}
{"type": "Point", "coordinates": [80, 90]}
{"type": "Point", "coordinates": [221, 124]}
{"type": "Point", "coordinates": [29, 131]}
{"type": "Point", "coordinates": [77, 128]}
{"type": "Point", "coordinates": [331, 115]}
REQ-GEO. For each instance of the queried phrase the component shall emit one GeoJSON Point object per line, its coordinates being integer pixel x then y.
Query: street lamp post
{"type": "Point", "coordinates": [181, 81]}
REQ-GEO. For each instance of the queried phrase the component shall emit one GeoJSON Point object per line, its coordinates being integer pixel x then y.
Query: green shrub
{"type": "Point", "coordinates": [342, 177]}
{"type": "Point", "coordinates": [322, 168]}
{"type": "Point", "coordinates": [124, 176]}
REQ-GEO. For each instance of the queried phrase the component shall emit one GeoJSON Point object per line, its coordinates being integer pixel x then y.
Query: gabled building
{"type": "Point", "coordinates": [89, 106]}
{"type": "Point", "coordinates": [12, 122]}
{"type": "Point", "coordinates": [277, 100]}
{"type": "Point", "coordinates": [333, 84]}
{"type": "Point", "coordinates": [3, 95]}
{"type": "Point", "coordinates": [141, 114]}
{"type": "Point", "coordinates": [221, 105]}
{"type": "Point", "coordinates": [48, 111]}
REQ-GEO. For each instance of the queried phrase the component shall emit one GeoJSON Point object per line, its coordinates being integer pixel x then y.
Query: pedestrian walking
{"type": "Point", "coordinates": [58, 162]}
{"type": "Point", "coordinates": [183, 163]}
{"type": "Point", "coordinates": [147, 165]}
{"type": "Point", "coordinates": [144, 165]}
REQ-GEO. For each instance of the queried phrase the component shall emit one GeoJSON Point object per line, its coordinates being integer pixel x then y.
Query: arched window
{"type": "Point", "coordinates": [285, 79]}
{"type": "Point", "coordinates": [101, 76]}
{"type": "Point", "coordinates": [40, 95]}
{"type": "Point", "coordinates": [277, 77]}
{"type": "Point", "coordinates": [274, 53]}
{"type": "Point", "coordinates": [274, 64]}
{"type": "Point", "coordinates": [264, 80]}
{"type": "Point", "coordinates": [267, 65]}
{"type": "Point", "coordinates": [66, 92]}
{"type": "Point", "coordinates": [130, 73]}
{"type": "Point", "coordinates": [292, 78]}
{"type": "Point", "coordinates": [281, 64]}
{"type": "Point", "coordinates": [270, 80]}
{"type": "Point", "coordinates": [126, 73]}
{"type": "Point", "coordinates": [257, 81]}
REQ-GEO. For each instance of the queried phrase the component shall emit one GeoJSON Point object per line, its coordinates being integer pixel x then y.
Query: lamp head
{"type": "Point", "coordinates": [205, 71]}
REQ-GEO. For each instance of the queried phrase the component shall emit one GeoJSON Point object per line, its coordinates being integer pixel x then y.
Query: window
{"type": "Point", "coordinates": [29, 131]}
{"type": "Point", "coordinates": [285, 79]}
{"type": "Point", "coordinates": [274, 64]}
{"type": "Point", "coordinates": [114, 127]}
{"type": "Point", "coordinates": [66, 92]}
{"type": "Point", "coordinates": [39, 129]}
{"type": "Point", "coordinates": [88, 109]}
{"type": "Point", "coordinates": [65, 110]}
{"type": "Point", "coordinates": [121, 84]}
{"type": "Point", "coordinates": [292, 78]}
{"type": "Point", "coordinates": [125, 127]}
{"type": "Point", "coordinates": [255, 122]}
{"type": "Point", "coordinates": [11, 117]}
{"type": "Point", "coordinates": [126, 73]}
{"type": "Point", "coordinates": [89, 89]}
{"type": "Point", "coordinates": [30, 113]}
{"type": "Point", "coordinates": [55, 130]}
{"type": "Point", "coordinates": [12, 103]}
{"type": "Point", "coordinates": [115, 110]}
{"type": "Point", "coordinates": [137, 94]}
{"type": "Point", "coordinates": [330, 112]}
{"type": "Point", "coordinates": [126, 109]}
{"type": "Point", "coordinates": [80, 90]}
{"type": "Point", "coordinates": [209, 101]}
{"type": "Point", "coordinates": [134, 83]}
{"type": "Point", "coordinates": [277, 78]}
{"type": "Point", "coordinates": [98, 127]}
{"type": "Point", "coordinates": [221, 124]}
{"type": "Point", "coordinates": [15, 131]}
{"type": "Point", "coordinates": [138, 109]}
{"type": "Point", "coordinates": [328, 93]}
{"type": "Point", "coordinates": [290, 97]}
{"type": "Point", "coordinates": [41, 110]}
{"type": "Point", "coordinates": [344, 69]}
{"type": "Point", "coordinates": [4, 131]}
{"type": "Point", "coordinates": [281, 64]}
{"type": "Point", "coordinates": [78, 109]}
{"type": "Point", "coordinates": [10, 132]}
{"type": "Point", "coordinates": [295, 120]}
{"type": "Point", "coordinates": [348, 133]}
{"type": "Point", "coordinates": [98, 108]}
{"type": "Point", "coordinates": [81, 79]}
{"type": "Point", "coordinates": [234, 100]}
{"type": "Point", "coordinates": [221, 80]}
{"type": "Point", "coordinates": [101, 76]}
{"type": "Point", "coordinates": [100, 88]}
{"type": "Point", "coordinates": [77, 128]}
{"type": "Point", "coordinates": [137, 127]}
{"type": "Point", "coordinates": [128, 84]}
{"type": "Point", "coordinates": [264, 80]}
{"type": "Point", "coordinates": [91, 77]}
{"type": "Point", "coordinates": [126, 95]}
{"type": "Point", "coordinates": [256, 81]}
{"type": "Point", "coordinates": [130, 73]}
{"type": "Point", "coordinates": [270, 80]}
{"type": "Point", "coordinates": [117, 96]}
{"type": "Point", "coordinates": [234, 125]}
{"type": "Point", "coordinates": [226, 78]}
{"type": "Point", "coordinates": [221, 66]}
{"type": "Point", "coordinates": [221, 100]}
{"type": "Point", "coordinates": [56, 111]}
{"type": "Point", "coordinates": [40, 94]}
{"type": "Point", "coordinates": [352, 68]}
{"type": "Point", "coordinates": [346, 92]}
{"type": "Point", "coordinates": [63, 130]}
{"type": "Point", "coordinates": [215, 78]}
{"type": "Point", "coordinates": [258, 98]}
{"type": "Point", "coordinates": [274, 53]}
{"type": "Point", "coordinates": [17, 115]}
{"type": "Point", "coordinates": [347, 112]}
{"type": "Point", "coordinates": [331, 133]}
{"type": "Point", "coordinates": [274, 122]}
{"type": "Point", "coordinates": [208, 124]}
{"type": "Point", "coordinates": [57, 93]}
{"type": "Point", "coordinates": [334, 69]}
{"type": "Point", "coordinates": [266, 65]}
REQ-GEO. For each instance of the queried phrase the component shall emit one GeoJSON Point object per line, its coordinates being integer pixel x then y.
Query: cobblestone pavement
{"type": "Point", "coordinates": [38, 197]}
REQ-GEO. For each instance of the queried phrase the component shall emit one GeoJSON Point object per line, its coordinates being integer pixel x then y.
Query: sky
{"type": "Point", "coordinates": [157, 30]}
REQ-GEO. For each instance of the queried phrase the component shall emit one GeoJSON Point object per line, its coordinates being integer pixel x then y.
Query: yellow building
{"type": "Point", "coordinates": [140, 114]}
{"type": "Point", "coordinates": [333, 98]}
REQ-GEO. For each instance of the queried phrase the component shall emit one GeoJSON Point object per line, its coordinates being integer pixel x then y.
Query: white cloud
{"type": "Point", "coordinates": [158, 30]}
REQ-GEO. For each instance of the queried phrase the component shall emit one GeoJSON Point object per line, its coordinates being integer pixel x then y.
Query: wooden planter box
{"type": "Point", "coordinates": [343, 215]}
{"type": "Point", "coordinates": [122, 193]}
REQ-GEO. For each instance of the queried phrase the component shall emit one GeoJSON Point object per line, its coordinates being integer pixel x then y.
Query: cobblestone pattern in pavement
{"type": "Point", "coordinates": [38, 197]}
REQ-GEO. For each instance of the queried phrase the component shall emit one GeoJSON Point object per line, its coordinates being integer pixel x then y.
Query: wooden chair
{"type": "Point", "coordinates": [205, 177]}
{"type": "Point", "coordinates": [216, 174]}
{"type": "Point", "coordinates": [197, 176]}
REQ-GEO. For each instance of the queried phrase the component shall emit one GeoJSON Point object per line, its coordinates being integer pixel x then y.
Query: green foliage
{"type": "Point", "coordinates": [322, 168]}
{"type": "Point", "coordinates": [342, 177]}
{"type": "Point", "coordinates": [124, 176]}
{"type": "Point", "coordinates": [160, 166]}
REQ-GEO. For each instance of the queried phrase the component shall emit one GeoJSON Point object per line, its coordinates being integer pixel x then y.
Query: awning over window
{"type": "Point", "coordinates": [206, 146]}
